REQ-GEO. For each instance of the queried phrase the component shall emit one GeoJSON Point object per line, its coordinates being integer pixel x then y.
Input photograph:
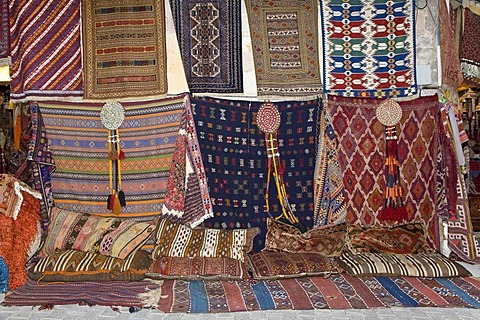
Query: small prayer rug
{"type": "Point", "coordinates": [369, 48]}
{"type": "Point", "coordinates": [124, 48]}
{"type": "Point", "coordinates": [209, 35]}
{"type": "Point", "coordinates": [78, 142]}
{"type": "Point", "coordinates": [234, 154]}
{"type": "Point", "coordinates": [45, 49]}
{"type": "Point", "coordinates": [339, 291]}
{"type": "Point", "coordinates": [4, 33]}
{"type": "Point", "coordinates": [285, 46]}
{"type": "Point", "coordinates": [361, 152]}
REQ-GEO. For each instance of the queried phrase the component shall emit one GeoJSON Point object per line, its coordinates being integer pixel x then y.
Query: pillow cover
{"type": "Point", "coordinates": [87, 232]}
{"type": "Point", "coordinates": [400, 239]}
{"type": "Point", "coordinates": [74, 265]}
{"type": "Point", "coordinates": [173, 239]}
{"type": "Point", "coordinates": [412, 265]}
{"type": "Point", "coordinates": [194, 268]}
{"type": "Point", "coordinates": [326, 240]}
{"type": "Point", "coordinates": [273, 265]}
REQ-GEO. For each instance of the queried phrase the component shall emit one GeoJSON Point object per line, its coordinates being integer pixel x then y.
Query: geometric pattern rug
{"type": "Point", "coordinates": [361, 152]}
{"type": "Point", "coordinates": [4, 33]}
{"type": "Point", "coordinates": [339, 291]}
{"type": "Point", "coordinates": [210, 40]}
{"type": "Point", "coordinates": [369, 48]}
{"type": "Point", "coordinates": [45, 50]}
{"type": "Point", "coordinates": [285, 47]}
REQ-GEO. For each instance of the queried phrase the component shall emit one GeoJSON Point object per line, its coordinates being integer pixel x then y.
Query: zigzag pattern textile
{"type": "Point", "coordinates": [45, 49]}
{"type": "Point", "coordinates": [285, 46]}
{"type": "Point", "coordinates": [369, 48]}
{"type": "Point", "coordinates": [78, 142]}
{"type": "Point", "coordinates": [361, 152]}
{"type": "Point", "coordinates": [234, 154]}
{"type": "Point", "coordinates": [210, 38]}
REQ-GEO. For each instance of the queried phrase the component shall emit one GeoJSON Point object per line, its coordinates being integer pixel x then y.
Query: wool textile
{"type": "Point", "coordinates": [4, 33]}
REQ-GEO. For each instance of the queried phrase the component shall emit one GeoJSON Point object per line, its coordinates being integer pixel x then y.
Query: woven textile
{"type": "Point", "coordinates": [45, 49]}
{"type": "Point", "coordinates": [73, 265]}
{"type": "Point", "coordinates": [4, 33]}
{"type": "Point", "coordinates": [124, 48]}
{"type": "Point", "coordinates": [469, 51]}
{"type": "Point", "coordinates": [285, 46]}
{"type": "Point", "coordinates": [339, 291]}
{"type": "Point", "coordinates": [3, 276]}
{"type": "Point", "coordinates": [105, 293]}
{"type": "Point", "coordinates": [234, 155]}
{"type": "Point", "coordinates": [329, 192]}
{"type": "Point", "coordinates": [369, 48]}
{"type": "Point", "coordinates": [209, 35]}
{"type": "Point", "coordinates": [362, 157]}
{"type": "Point", "coordinates": [11, 197]}
{"type": "Point", "coordinates": [187, 199]}
{"type": "Point", "coordinates": [412, 265]}
{"type": "Point", "coordinates": [194, 268]}
{"type": "Point", "coordinates": [78, 142]}
{"type": "Point", "coordinates": [276, 265]}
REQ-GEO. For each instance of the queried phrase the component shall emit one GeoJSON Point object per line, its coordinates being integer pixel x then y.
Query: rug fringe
{"type": "Point", "coordinates": [150, 298]}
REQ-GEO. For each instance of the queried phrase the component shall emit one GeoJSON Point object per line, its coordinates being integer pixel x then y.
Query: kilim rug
{"type": "Point", "coordinates": [339, 291]}
{"type": "Point", "coordinates": [234, 154]}
{"type": "Point", "coordinates": [4, 33]}
{"type": "Point", "coordinates": [369, 48]}
{"type": "Point", "coordinates": [285, 46]}
{"type": "Point", "coordinates": [45, 49]}
{"type": "Point", "coordinates": [361, 151]}
{"type": "Point", "coordinates": [469, 50]}
{"type": "Point", "coordinates": [78, 142]}
{"type": "Point", "coordinates": [209, 35]}
{"type": "Point", "coordinates": [124, 48]}
{"type": "Point", "coordinates": [113, 293]}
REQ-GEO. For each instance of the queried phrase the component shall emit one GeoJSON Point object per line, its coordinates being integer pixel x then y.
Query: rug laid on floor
{"type": "Point", "coordinates": [210, 39]}
{"type": "Point", "coordinates": [285, 46]}
{"type": "Point", "coordinates": [4, 34]}
{"type": "Point", "coordinates": [234, 154]}
{"type": "Point", "coordinates": [113, 293]}
{"type": "Point", "coordinates": [339, 291]}
{"type": "Point", "coordinates": [124, 49]}
{"type": "Point", "coordinates": [369, 48]}
{"type": "Point", "coordinates": [78, 142]}
{"type": "Point", "coordinates": [361, 152]}
{"type": "Point", "coordinates": [45, 49]}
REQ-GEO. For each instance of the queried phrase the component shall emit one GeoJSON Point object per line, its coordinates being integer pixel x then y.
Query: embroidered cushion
{"type": "Point", "coordinates": [326, 240]}
{"type": "Point", "coordinates": [74, 265]}
{"type": "Point", "coordinates": [274, 265]}
{"type": "Point", "coordinates": [412, 265]}
{"type": "Point", "coordinates": [401, 239]}
{"type": "Point", "coordinates": [115, 237]}
{"type": "Point", "coordinates": [177, 240]}
{"type": "Point", "coordinates": [191, 268]}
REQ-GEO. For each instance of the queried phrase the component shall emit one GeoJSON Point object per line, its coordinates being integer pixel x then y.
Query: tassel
{"type": "Point", "coordinates": [17, 132]}
{"type": "Point", "coordinates": [121, 155]}
{"type": "Point", "coordinates": [121, 198]}
{"type": "Point", "coordinates": [117, 208]}
{"type": "Point", "coordinates": [110, 201]}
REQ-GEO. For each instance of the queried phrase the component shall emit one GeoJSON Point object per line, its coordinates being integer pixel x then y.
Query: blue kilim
{"type": "Point", "coordinates": [234, 155]}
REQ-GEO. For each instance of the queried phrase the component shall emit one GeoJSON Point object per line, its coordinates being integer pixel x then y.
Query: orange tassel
{"type": "Point", "coordinates": [117, 207]}
{"type": "Point", "coordinates": [17, 133]}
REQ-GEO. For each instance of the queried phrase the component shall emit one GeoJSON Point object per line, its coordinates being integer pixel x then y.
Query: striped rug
{"type": "Point", "coordinates": [124, 48]}
{"type": "Point", "coordinates": [78, 142]}
{"type": "Point", "coordinates": [45, 49]}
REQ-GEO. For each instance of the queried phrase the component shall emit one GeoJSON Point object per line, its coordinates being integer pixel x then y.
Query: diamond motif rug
{"type": "Point", "coordinates": [361, 152]}
{"type": "Point", "coordinates": [45, 49]}
{"type": "Point", "coordinates": [285, 46]}
{"type": "Point", "coordinates": [469, 51]}
{"type": "Point", "coordinates": [209, 35]}
{"type": "Point", "coordinates": [234, 155]}
{"type": "Point", "coordinates": [369, 48]}
{"type": "Point", "coordinates": [78, 142]}
{"type": "Point", "coordinates": [124, 48]}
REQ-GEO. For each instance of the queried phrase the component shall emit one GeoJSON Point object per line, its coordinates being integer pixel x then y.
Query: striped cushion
{"type": "Point", "coordinates": [178, 240]}
{"type": "Point", "coordinates": [74, 265]}
{"type": "Point", "coordinates": [413, 265]}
